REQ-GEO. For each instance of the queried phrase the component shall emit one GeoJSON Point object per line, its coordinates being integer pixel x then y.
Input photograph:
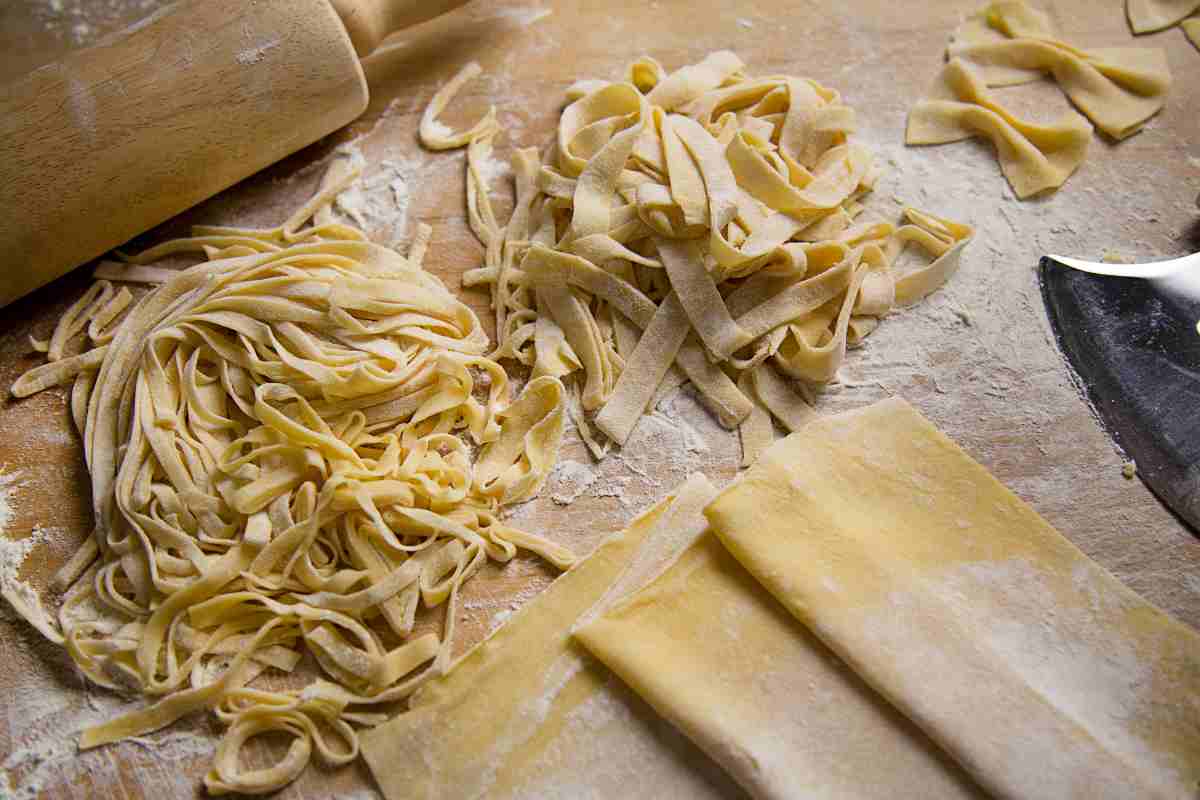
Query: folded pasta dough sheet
{"type": "Point", "coordinates": [529, 714]}
{"type": "Point", "coordinates": [713, 652]}
{"type": "Point", "coordinates": [1037, 670]}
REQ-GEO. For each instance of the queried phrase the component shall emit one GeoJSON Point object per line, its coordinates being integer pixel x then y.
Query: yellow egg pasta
{"type": "Point", "coordinates": [1008, 43]}
{"type": "Point", "coordinates": [694, 225]}
{"type": "Point", "coordinates": [294, 446]}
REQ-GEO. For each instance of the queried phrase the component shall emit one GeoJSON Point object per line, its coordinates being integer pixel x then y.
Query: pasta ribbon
{"type": "Point", "coordinates": [694, 225]}
{"type": "Point", "coordinates": [279, 441]}
{"type": "Point", "coordinates": [1009, 43]}
{"type": "Point", "coordinates": [1147, 16]}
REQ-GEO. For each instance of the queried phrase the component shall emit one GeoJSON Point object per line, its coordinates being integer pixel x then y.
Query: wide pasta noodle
{"type": "Point", "coordinates": [697, 225]}
{"type": "Point", "coordinates": [1191, 29]}
{"type": "Point", "coordinates": [1147, 16]}
{"type": "Point", "coordinates": [1034, 158]}
{"type": "Point", "coordinates": [1009, 43]}
{"type": "Point", "coordinates": [281, 447]}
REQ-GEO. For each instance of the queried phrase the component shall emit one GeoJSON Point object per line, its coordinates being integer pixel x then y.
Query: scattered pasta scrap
{"type": "Point", "coordinates": [1034, 158]}
{"type": "Point", "coordinates": [280, 442]}
{"type": "Point", "coordinates": [1009, 43]}
{"type": "Point", "coordinates": [1191, 29]}
{"type": "Point", "coordinates": [1148, 16]}
{"type": "Point", "coordinates": [504, 721]}
{"type": "Point", "coordinates": [701, 225]}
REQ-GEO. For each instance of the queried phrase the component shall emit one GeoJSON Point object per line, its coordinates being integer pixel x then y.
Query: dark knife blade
{"type": "Point", "coordinates": [1135, 351]}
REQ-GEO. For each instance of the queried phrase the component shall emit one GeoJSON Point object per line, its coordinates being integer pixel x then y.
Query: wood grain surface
{"type": "Point", "coordinates": [977, 357]}
{"type": "Point", "coordinates": [144, 126]}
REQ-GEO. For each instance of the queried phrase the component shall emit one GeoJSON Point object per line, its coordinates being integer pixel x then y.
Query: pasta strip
{"type": "Point", "coordinates": [432, 133]}
{"type": "Point", "coordinates": [277, 445]}
{"type": "Point", "coordinates": [1034, 158]}
{"type": "Point", "coordinates": [1147, 16]}
{"type": "Point", "coordinates": [1008, 43]}
{"type": "Point", "coordinates": [644, 370]}
{"type": "Point", "coordinates": [698, 295]}
{"type": "Point", "coordinates": [732, 199]}
{"type": "Point", "coordinates": [1191, 28]}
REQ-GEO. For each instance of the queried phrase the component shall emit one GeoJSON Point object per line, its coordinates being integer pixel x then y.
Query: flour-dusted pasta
{"type": "Point", "coordinates": [1118, 88]}
{"type": "Point", "coordinates": [1009, 43]}
{"type": "Point", "coordinates": [281, 448]}
{"type": "Point", "coordinates": [694, 225]}
{"type": "Point", "coordinates": [526, 714]}
{"type": "Point", "coordinates": [1147, 16]}
{"type": "Point", "coordinates": [948, 596]}
{"type": "Point", "coordinates": [1191, 29]}
{"type": "Point", "coordinates": [1033, 157]}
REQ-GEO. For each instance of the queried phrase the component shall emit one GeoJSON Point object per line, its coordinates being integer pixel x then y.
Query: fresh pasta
{"type": "Point", "coordinates": [1191, 29]}
{"type": "Point", "coordinates": [1147, 16]}
{"type": "Point", "coordinates": [294, 446]}
{"type": "Point", "coordinates": [698, 225]}
{"type": "Point", "coordinates": [1008, 43]}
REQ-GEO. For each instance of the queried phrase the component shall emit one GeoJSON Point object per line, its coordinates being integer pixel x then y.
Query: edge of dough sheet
{"type": "Point", "coordinates": [1040, 672]}
{"type": "Point", "coordinates": [713, 652]}
{"type": "Point", "coordinates": [527, 713]}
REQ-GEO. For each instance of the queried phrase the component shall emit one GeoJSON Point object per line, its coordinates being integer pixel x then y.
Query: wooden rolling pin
{"type": "Point", "coordinates": [121, 136]}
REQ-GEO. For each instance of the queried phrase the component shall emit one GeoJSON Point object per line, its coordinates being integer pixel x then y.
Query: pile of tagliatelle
{"type": "Point", "coordinates": [280, 442]}
{"type": "Point", "coordinates": [703, 225]}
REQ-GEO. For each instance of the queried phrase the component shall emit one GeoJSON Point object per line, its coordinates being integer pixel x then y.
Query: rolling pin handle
{"type": "Point", "coordinates": [369, 22]}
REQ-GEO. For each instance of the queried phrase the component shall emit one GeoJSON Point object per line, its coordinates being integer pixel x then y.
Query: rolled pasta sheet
{"type": "Point", "coordinates": [531, 715]}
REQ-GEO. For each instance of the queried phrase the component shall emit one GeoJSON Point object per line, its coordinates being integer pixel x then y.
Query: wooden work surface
{"type": "Point", "coordinates": [977, 357]}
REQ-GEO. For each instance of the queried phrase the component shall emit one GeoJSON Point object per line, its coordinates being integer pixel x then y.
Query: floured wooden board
{"type": "Point", "coordinates": [977, 357]}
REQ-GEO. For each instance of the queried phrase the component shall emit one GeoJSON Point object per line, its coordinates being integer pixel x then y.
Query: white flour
{"type": "Point", "coordinates": [570, 479]}
{"type": "Point", "coordinates": [378, 202]}
{"type": "Point", "coordinates": [523, 16]}
{"type": "Point", "coordinates": [253, 55]}
{"type": "Point", "coordinates": [83, 22]}
{"type": "Point", "coordinates": [9, 481]}
{"type": "Point", "coordinates": [494, 171]}
{"type": "Point", "coordinates": [14, 552]}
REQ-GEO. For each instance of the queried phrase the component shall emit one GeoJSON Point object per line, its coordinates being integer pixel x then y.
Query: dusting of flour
{"type": "Point", "coordinates": [524, 16]}
{"type": "Point", "coordinates": [47, 703]}
{"type": "Point", "coordinates": [378, 202]}
{"type": "Point", "coordinates": [82, 22]}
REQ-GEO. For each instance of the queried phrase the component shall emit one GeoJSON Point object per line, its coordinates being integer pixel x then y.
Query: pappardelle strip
{"type": "Point", "coordinates": [1008, 43]}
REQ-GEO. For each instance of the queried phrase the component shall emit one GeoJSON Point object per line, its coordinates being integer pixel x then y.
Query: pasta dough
{"type": "Point", "coordinates": [1191, 28]}
{"type": "Point", "coordinates": [1034, 158]}
{"type": "Point", "coordinates": [1147, 16]}
{"type": "Point", "coordinates": [1037, 670]}
{"type": "Point", "coordinates": [527, 714]}
{"type": "Point", "coordinates": [713, 652]}
{"type": "Point", "coordinates": [1009, 43]}
{"type": "Point", "coordinates": [1118, 88]}
{"type": "Point", "coordinates": [277, 440]}
{"type": "Point", "coordinates": [702, 223]}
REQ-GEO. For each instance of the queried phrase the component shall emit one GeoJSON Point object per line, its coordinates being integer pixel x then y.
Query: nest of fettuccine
{"type": "Point", "coordinates": [294, 447]}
